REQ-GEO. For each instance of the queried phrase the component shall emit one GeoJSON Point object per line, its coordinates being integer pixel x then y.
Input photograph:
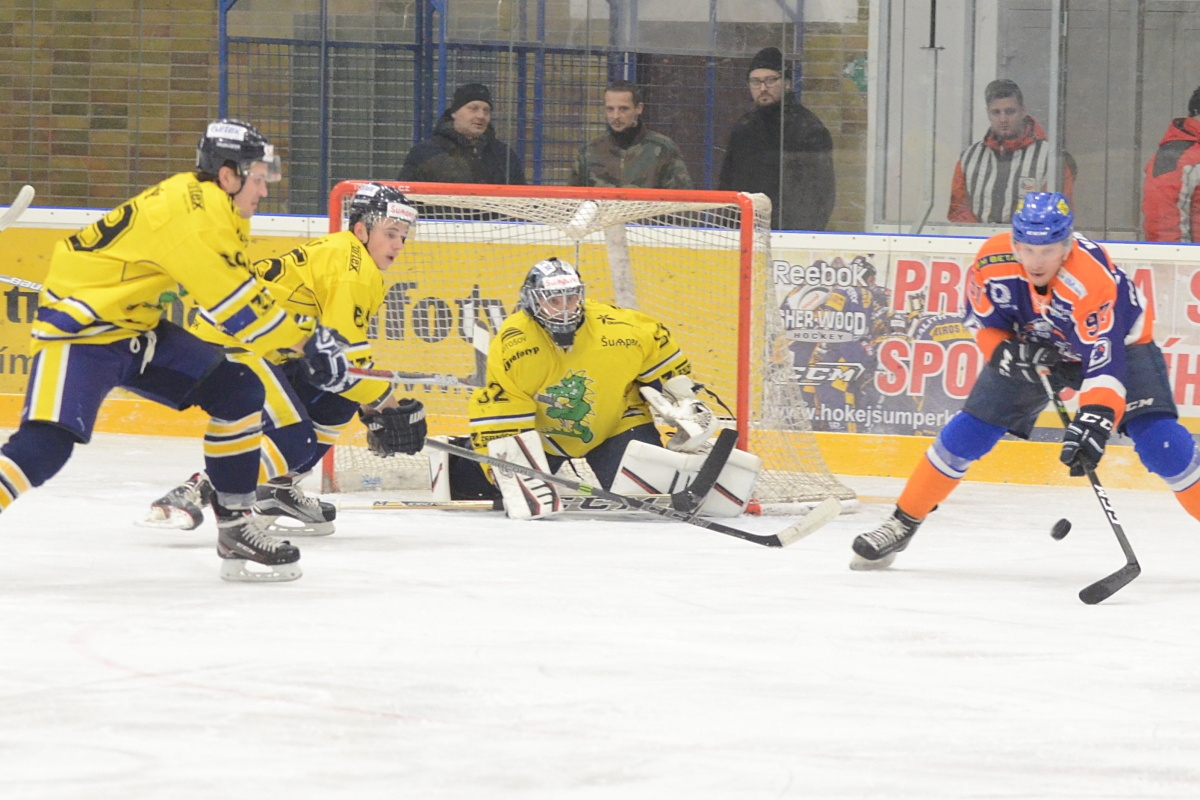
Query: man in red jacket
{"type": "Point", "coordinates": [993, 175]}
{"type": "Point", "coordinates": [1171, 193]}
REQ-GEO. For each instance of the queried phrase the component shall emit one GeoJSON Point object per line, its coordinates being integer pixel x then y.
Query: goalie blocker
{"type": "Point", "coordinates": [645, 469]}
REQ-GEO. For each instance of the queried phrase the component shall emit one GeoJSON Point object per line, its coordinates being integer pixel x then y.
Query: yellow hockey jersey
{"type": "Point", "coordinates": [112, 280]}
{"type": "Point", "coordinates": [333, 280]}
{"type": "Point", "coordinates": [593, 386]}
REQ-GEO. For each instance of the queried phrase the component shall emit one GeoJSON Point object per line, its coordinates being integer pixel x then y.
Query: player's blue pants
{"type": "Point", "coordinates": [69, 381]}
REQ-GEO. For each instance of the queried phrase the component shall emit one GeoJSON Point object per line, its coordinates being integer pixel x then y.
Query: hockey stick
{"type": "Point", "coordinates": [427, 379]}
{"type": "Point", "coordinates": [19, 204]}
{"type": "Point", "coordinates": [1109, 585]}
{"type": "Point", "coordinates": [688, 500]}
{"type": "Point", "coordinates": [33, 286]}
{"type": "Point", "coordinates": [820, 515]}
{"type": "Point", "coordinates": [582, 504]}
{"type": "Point", "coordinates": [691, 497]}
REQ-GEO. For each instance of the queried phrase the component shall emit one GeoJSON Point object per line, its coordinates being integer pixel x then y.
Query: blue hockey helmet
{"type": "Point", "coordinates": [1043, 218]}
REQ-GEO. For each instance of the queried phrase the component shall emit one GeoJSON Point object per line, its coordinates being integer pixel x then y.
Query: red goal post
{"type": "Point", "coordinates": [697, 261]}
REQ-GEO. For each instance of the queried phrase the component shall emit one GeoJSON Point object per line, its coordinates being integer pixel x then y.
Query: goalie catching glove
{"type": "Point", "coordinates": [325, 362]}
{"type": "Point", "coordinates": [400, 429]}
{"type": "Point", "coordinates": [678, 405]}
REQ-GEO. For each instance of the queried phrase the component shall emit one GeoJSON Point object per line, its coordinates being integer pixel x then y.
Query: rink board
{"type": "Point", "coordinates": [923, 274]}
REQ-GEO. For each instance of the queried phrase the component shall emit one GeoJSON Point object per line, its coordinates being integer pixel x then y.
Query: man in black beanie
{"type": "Point", "coordinates": [1171, 192]}
{"type": "Point", "coordinates": [464, 147]}
{"type": "Point", "coordinates": [782, 150]}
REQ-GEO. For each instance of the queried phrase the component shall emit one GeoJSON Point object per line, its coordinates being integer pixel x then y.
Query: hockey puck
{"type": "Point", "coordinates": [1060, 529]}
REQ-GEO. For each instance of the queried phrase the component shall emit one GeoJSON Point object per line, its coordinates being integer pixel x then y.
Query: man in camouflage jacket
{"type": "Point", "coordinates": [629, 155]}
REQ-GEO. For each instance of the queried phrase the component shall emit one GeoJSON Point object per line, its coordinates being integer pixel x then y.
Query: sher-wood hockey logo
{"type": "Point", "coordinates": [829, 301]}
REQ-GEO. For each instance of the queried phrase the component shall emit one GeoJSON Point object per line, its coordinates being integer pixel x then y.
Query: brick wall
{"type": "Point", "coordinates": [100, 98]}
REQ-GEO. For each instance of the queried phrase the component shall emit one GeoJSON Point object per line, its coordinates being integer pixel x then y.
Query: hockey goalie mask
{"type": "Point", "coordinates": [553, 295]}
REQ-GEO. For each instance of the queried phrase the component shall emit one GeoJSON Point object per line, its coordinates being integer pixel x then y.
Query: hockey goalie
{"type": "Point", "coordinates": [569, 377]}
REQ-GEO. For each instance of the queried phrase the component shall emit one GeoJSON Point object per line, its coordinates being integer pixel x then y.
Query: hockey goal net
{"type": "Point", "coordinates": [696, 261]}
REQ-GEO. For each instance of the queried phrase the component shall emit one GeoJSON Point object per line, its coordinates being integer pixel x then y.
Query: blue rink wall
{"type": "Point", "coordinates": [881, 380]}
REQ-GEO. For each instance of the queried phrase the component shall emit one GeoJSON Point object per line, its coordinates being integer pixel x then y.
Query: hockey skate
{"type": "Point", "coordinates": [288, 510]}
{"type": "Point", "coordinates": [242, 541]}
{"type": "Point", "coordinates": [182, 508]}
{"type": "Point", "coordinates": [878, 548]}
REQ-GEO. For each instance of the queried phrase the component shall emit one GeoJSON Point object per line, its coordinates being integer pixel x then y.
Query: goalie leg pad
{"type": "Point", "coordinates": [524, 497]}
{"type": "Point", "coordinates": [647, 469]}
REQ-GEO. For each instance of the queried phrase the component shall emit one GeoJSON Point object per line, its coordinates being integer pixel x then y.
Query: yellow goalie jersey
{"type": "Point", "coordinates": [588, 393]}
{"type": "Point", "coordinates": [333, 280]}
{"type": "Point", "coordinates": [112, 280]}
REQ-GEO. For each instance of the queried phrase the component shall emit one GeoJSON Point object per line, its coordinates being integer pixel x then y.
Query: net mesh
{"type": "Point", "coordinates": [696, 261]}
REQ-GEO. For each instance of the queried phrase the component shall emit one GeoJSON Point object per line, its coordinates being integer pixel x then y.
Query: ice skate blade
{"type": "Point", "coordinates": [860, 564]}
{"type": "Point", "coordinates": [240, 570]}
{"type": "Point", "coordinates": [283, 526]}
{"type": "Point", "coordinates": [173, 519]}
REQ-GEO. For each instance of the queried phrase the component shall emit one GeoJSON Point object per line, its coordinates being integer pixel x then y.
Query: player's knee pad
{"type": "Point", "coordinates": [231, 391]}
{"type": "Point", "coordinates": [969, 438]}
{"type": "Point", "coordinates": [298, 446]}
{"type": "Point", "coordinates": [40, 449]}
{"type": "Point", "coordinates": [1164, 446]}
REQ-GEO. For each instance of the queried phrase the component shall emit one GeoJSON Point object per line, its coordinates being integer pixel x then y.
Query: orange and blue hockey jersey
{"type": "Point", "coordinates": [1090, 311]}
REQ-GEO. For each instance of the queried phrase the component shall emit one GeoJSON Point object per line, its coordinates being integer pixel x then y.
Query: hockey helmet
{"type": "Point", "coordinates": [1043, 218]}
{"type": "Point", "coordinates": [553, 295]}
{"type": "Point", "coordinates": [373, 202]}
{"type": "Point", "coordinates": [237, 144]}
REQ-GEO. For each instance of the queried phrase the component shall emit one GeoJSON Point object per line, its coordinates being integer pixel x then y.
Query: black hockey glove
{"type": "Point", "coordinates": [396, 430]}
{"type": "Point", "coordinates": [1021, 360]}
{"type": "Point", "coordinates": [1083, 443]}
{"type": "Point", "coordinates": [325, 363]}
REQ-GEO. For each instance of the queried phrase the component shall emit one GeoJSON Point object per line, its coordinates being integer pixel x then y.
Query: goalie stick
{"type": "Point", "coordinates": [823, 513]}
{"type": "Point", "coordinates": [1109, 585]}
{"type": "Point", "coordinates": [18, 206]}
{"type": "Point", "coordinates": [691, 497]}
{"type": "Point", "coordinates": [585, 505]}
{"type": "Point", "coordinates": [687, 500]}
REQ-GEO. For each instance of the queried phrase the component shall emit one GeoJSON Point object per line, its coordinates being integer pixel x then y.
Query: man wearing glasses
{"type": "Point", "coordinates": [782, 150]}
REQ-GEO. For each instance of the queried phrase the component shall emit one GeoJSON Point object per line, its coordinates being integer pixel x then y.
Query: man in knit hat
{"type": "Point", "coordinates": [464, 147]}
{"type": "Point", "coordinates": [629, 154]}
{"type": "Point", "coordinates": [1171, 193]}
{"type": "Point", "coordinates": [782, 150]}
{"type": "Point", "coordinates": [993, 175]}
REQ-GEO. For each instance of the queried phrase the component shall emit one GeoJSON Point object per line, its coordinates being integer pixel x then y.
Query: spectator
{"type": "Point", "coordinates": [795, 170]}
{"type": "Point", "coordinates": [629, 154]}
{"type": "Point", "coordinates": [992, 176]}
{"type": "Point", "coordinates": [464, 147]}
{"type": "Point", "coordinates": [1171, 194]}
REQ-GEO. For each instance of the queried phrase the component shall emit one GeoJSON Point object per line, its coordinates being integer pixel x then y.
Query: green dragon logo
{"type": "Point", "coordinates": [571, 407]}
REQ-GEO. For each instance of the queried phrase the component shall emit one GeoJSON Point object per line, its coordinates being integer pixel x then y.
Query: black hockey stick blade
{"type": "Point", "coordinates": [1105, 588]}
{"type": "Point", "coordinates": [782, 539]}
{"type": "Point", "coordinates": [689, 499]}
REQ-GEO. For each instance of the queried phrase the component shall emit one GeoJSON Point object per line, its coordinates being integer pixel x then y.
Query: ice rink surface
{"type": "Point", "coordinates": [463, 655]}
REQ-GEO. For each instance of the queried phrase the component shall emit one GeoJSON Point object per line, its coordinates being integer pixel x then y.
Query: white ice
{"type": "Point", "coordinates": [461, 655]}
